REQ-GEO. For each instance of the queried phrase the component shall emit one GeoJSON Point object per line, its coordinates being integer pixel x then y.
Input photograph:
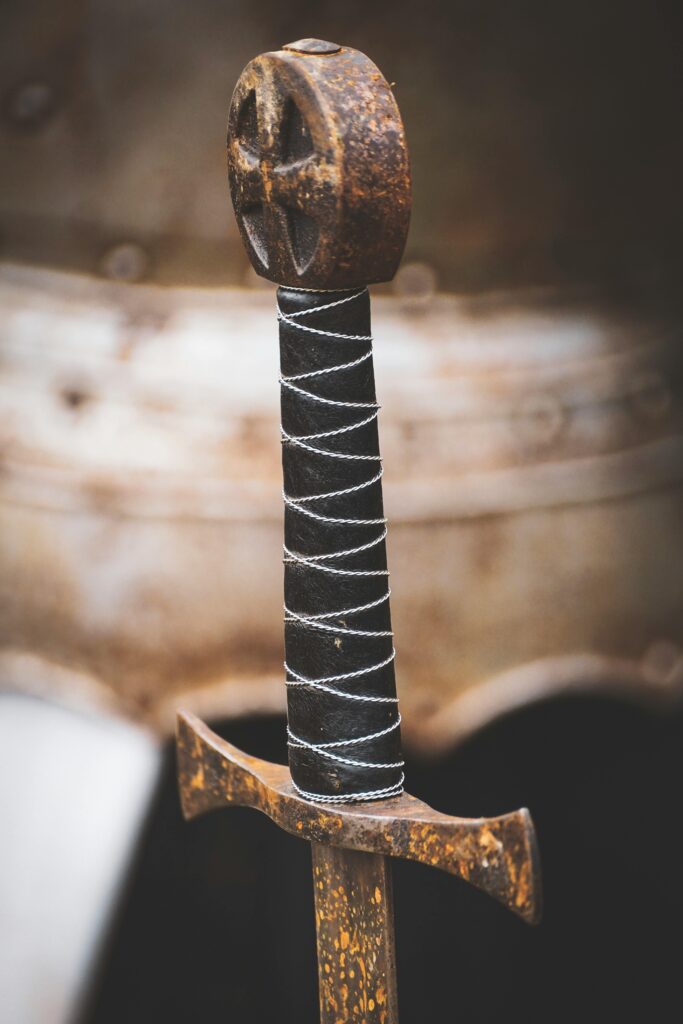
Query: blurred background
{"type": "Point", "coordinates": [528, 360]}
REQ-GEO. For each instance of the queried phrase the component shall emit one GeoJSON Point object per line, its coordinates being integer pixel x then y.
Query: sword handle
{"type": "Point", "coordinates": [344, 723]}
{"type": "Point", "coordinates": [320, 182]}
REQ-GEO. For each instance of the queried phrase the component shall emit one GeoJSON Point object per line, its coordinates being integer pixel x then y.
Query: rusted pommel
{"type": "Point", "coordinates": [496, 855]}
{"type": "Point", "coordinates": [318, 167]}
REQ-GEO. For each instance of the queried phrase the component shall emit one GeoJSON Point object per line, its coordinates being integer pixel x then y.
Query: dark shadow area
{"type": "Point", "coordinates": [218, 922]}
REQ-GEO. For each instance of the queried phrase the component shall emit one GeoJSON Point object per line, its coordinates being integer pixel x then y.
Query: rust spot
{"type": "Point", "coordinates": [321, 168]}
{"type": "Point", "coordinates": [352, 891]}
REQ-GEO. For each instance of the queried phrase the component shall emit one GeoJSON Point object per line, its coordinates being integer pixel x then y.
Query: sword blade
{"type": "Point", "coordinates": [354, 916]}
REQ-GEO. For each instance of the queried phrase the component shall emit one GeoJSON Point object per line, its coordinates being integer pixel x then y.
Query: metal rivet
{"type": "Point", "coordinates": [30, 104]}
{"type": "Point", "coordinates": [312, 46]}
{"type": "Point", "coordinates": [661, 661]}
{"type": "Point", "coordinates": [415, 284]}
{"type": "Point", "coordinates": [125, 262]}
{"type": "Point", "coordinates": [539, 420]}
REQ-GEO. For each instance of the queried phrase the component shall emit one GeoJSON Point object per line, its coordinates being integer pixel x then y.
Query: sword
{"type": "Point", "coordinates": [320, 183]}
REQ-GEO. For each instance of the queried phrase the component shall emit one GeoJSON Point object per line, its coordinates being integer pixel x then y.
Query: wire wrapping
{"type": "Point", "coordinates": [347, 761]}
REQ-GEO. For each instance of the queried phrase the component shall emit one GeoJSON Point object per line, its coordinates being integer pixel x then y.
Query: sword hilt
{"type": "Point", "coordinates": [321, 188]}
{"type": "Point", "coordinates": [320, 182]}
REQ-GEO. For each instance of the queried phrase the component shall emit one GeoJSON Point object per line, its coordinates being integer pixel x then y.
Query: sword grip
{"type": "Point", "coordinates": [343, 718]}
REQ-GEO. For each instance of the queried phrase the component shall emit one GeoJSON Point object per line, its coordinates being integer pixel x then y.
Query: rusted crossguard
{"type": "Point", "coordinates": [351, 845]}
{"type": "Point", "coordinates": [321, 187]}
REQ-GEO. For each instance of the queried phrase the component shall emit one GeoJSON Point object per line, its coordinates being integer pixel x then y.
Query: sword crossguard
{"type": "Point", "coordinates": [496, 855]}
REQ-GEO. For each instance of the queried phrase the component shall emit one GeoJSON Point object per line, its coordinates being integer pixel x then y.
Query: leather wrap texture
{"type": "Point", "coordinates": [314, 650]}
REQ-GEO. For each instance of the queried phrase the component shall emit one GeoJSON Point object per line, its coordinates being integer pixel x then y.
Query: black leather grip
{"type": "Point", "coordinates": [338, 642]}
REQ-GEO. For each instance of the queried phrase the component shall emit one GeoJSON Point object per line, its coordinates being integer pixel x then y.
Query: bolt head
{"type": "Point", "coordinates": [30, 104]}
{"type": "Point", "coordinates": [318, 47]}
{"type": "Point", "coordinates": [126, 262]}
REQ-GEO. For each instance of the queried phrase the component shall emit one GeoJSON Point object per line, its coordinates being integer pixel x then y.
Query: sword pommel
{"type": "Point", "coordinates": [496, 855]}
{"type": "Point", "coordinates": [318, 167]}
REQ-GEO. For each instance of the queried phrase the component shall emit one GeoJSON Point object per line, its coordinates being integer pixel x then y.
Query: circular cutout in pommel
{"type": "Point", "coordinates": [318, 167]}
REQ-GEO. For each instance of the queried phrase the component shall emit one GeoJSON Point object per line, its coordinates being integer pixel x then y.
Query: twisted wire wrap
{"type": "Point", "coordinates": [344, 723]}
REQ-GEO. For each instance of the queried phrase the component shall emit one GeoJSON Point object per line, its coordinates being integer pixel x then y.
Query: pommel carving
{"type": "Point", "coordinates": [318, 167]}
